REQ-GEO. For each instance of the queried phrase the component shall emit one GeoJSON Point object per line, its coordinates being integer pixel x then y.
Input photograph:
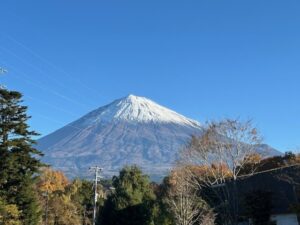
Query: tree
{"type": "Point", "coordinates": [223, 150]}
{"type": "Point", "coordinates": [62, 211]}
{"type": "Point", "coordinates": [83, 198]}
{"type": "Point", "coordinates": [58, 196]}
{"type": "Point", "coordinates": [9, 214]}
{"type": "Point", "coordinates": [274, 162]}
{"type": "Point", "coordinates": [184, 201]}
{"type": "Point", "coordinates": [49, 183]}
{"type": "Point", "coordinates": [132, 200]}
{"type": "Point", "coordinates": [19, 159]}
{"type": "Point", "coordinates": [162, 215]}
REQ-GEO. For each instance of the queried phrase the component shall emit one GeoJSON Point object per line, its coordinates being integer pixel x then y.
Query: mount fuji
{"type": "Point", "coordinates": [130, 130]}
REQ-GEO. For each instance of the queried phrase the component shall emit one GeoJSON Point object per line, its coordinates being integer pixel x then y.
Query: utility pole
{"type": "Point", "coordinates": [96, 170]}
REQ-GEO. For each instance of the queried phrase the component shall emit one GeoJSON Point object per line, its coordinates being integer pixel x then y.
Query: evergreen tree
{"type": "Point", "coordinates": [162, 212]}
{"type": "Point", "coordinates": [84, 199]}
{"type": "Point", "coordinates": [19, 159]}
{"type": "Point", "coordinates": [132, 201]}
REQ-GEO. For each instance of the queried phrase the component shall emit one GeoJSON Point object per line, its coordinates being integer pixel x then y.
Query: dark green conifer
{"type": "Point", "coordinates": [19, 159]}
{"type": "Point", "coordinates": [132, 201]}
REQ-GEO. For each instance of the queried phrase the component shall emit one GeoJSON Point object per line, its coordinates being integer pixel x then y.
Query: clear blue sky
{"type": "Point", "coordinates": [205, 59]}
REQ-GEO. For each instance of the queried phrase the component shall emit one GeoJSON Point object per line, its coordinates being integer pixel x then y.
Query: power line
{"type": "Point", "coordinates": [269, 170]}
{"type": "Point", "coordinates": [82, 83]}
{"type": "Point", "coordinates": [21, 20]}
{"type": "Point", "coordinates": [27, 79]}
{"type": "Point", "coordinates": [58, 82]}
{"type": "Point", "coordinates": [50, 105]}
{"type": "Point", "coordinates": [49, 63]}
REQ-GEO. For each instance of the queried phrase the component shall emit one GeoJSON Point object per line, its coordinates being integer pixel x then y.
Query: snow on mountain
{"type": "Point", "coordinates": [131, 130]}
{"type": "Point", "coordinates": [137, 109]}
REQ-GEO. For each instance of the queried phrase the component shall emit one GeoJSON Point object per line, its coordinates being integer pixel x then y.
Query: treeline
{"type": "Point", "coordinates": [201, 189]}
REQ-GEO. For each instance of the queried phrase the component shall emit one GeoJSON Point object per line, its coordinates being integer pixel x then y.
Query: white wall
{"type": "Point", "coordinates": [285, 219]}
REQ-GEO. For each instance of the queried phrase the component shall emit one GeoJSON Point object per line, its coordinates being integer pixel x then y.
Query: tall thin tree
{"type": "Point", "coordinates": [19, 159]}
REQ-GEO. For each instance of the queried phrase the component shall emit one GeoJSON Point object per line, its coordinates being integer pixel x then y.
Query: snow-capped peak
{"type": "Point", "coordinates": [139, 109]}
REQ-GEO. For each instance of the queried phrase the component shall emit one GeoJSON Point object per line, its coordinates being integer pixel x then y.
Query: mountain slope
{"type": "Point", "coordinates": [131, 130]}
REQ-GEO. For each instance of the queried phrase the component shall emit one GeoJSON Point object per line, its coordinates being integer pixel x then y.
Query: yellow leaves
{"type": "Point", "coordinates": [9, 214]}
{"type": "Point", "coordinates": [63, 211]}
{"type": "Point", "coordinates": [51, 181]}
{"type": "Point", "coordinates": [59, 202]}
{"type": "Point", "coordinates": [253, 158]}
{"type": "Point", "coordinates": [212, 170]}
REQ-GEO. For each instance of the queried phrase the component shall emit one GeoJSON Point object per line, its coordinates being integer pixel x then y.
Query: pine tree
{"type": "Point", "coordinates": [132, 201]}
{"type": "Point", "coordinates": [19, 159]}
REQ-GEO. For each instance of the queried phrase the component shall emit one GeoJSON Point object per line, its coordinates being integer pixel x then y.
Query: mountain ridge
{"type": "Point", "coordinates": [129, 130]}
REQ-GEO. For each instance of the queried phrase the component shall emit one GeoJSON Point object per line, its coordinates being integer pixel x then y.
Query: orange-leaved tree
{"type": "Point", "coordinates": [55, 194]}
